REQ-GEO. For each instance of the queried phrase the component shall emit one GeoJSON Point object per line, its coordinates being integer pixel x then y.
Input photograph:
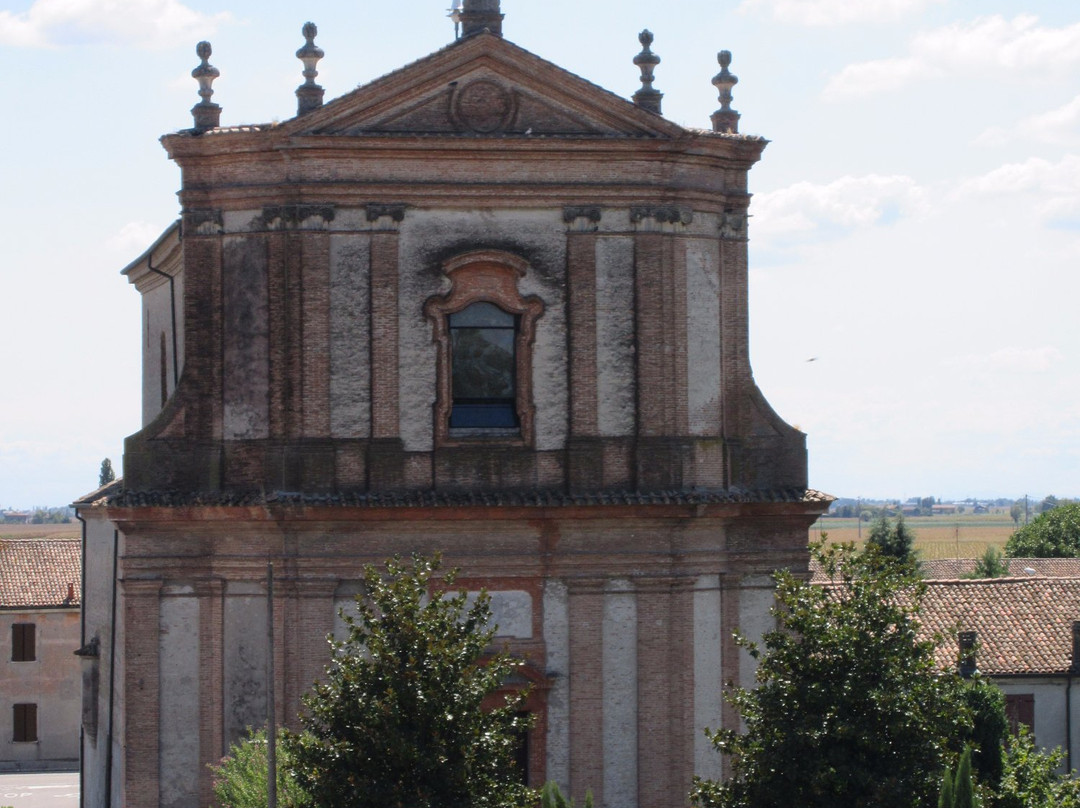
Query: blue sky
{"type": "Point", "coordinates": [916, 218]}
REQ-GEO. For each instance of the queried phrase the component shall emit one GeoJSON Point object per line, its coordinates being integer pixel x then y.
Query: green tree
{"type": "Point", "coordinates": [848, 697]}
{"type": "Point", "coordinates": [399, 723]}
{"type": "Point", "coordinates": [989, 728]}
{"type": "Point", "coordinates": [552, 797]}
{"type": "Point", "coordinates": [1030, 779]}
{"type": "Point", "coordinates": [1048, 504]}
{"type": "Point", "coordinates": [1053, 534]}
{"type": "Point", "coordinates": [990, 564]}
{"type": "Point", "coordinates": [964, 783]}
{"type": "Point", "coordinates": [106, 475]}
{"type": "Point", "coordinates": [240, 778]}
{"type": "Point", "coordinates": [1016, 510]}
{"type": "Point", "coordinates": [892, 539]}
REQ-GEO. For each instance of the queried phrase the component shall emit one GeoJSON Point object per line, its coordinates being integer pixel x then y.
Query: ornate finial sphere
{"type": "Point", "coordinates": [309, 95]}
{"type": "Point", "coordinates": [207, 114]}
{"type": "Point", "coordinates": [725, 119]}
{"type": "Point", "coordinates": [647, 97]}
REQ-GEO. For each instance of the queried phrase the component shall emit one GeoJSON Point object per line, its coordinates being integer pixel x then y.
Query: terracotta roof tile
{"type": "Point", "coordinates": [36, 573]}
{"type": "Point", "coordinates": [444, 499]}
{"type": "Point", "coordinates": [1024, 625]}
{"type": "Point", "coordinates": [953, 568]}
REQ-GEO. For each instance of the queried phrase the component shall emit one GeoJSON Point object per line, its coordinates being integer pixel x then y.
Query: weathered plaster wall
{"type": "Point", "coordinates": [245, 658]}
{"type": "Point", "coordinates": [350, 334]}
{"type": "Point", "coordinates": [557, 638]}
{"type": "Point", "coordinates": [246, 372]}
{"type": "Point", "coordinates": [426, 238]}
{"type": "Point", "coordinates": [620, 678]}
{"type": "Point", "coordinates": [615, 381]}
{"type": "Point", "coordinates": [703, 336]}
{"type": "Point", "coordinates": [708, 673]}
{"type": "Point", "coordinates": [179, 709]}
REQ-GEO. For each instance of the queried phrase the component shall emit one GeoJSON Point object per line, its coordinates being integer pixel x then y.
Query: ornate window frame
{"type": "Point", "coordinates": [489, 276]}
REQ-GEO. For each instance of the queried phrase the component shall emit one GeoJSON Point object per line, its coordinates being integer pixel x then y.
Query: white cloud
{"type": "Point", "coordinates": [835, 12]}
{"type": "Point", "coordinates": [985, 47]}
{"type": "Point", "coordinates": [1060, 126]}
{"type": "Point", "coordinates": [144, 23]}
{"type": "Point", "coordinates": [133, 238]}
{"type": "Point", "coordinates": [1053, 188]}
{"type": "Point", "coordinates": [846, 203]}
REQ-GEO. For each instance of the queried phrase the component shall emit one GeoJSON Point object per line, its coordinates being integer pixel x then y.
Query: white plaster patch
{"type": "Point", "coordinates": [708, 674]}
{"type": "Point", "coordinates": [511, 612]}
{"type": "Point", "coordinates": [245, 660]}
{"type": "Point", "coordinates": [557, 641]}
{"type": "Point", "coordinates": [350, 344]}
{"type": "Point", "coordinates": [703, 337]}
{"type": "Point", "coordinates": [426, 237]}
{"type": "Point", "coordinates": [247, 339]}
{"type": "Point", "coordinates": [178, 714]}
{"type": "Point", "coordinates": [345, 603]}
{"type": "Point", "coordinates": [756, 598]}
{"type": "Point", "coordinates": [615, 383]}
{"type": "Point", "coordinates": [620, 714]}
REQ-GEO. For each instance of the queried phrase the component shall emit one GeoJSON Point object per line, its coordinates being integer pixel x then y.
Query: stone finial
{"type": "Point", "coordinates": [206, 113]}
{"type": "Point", "coordinates": [479, 15]}
{"type": "Point", "coordinates": [725, 119]}
{"type": "Point", "coordinates": [309, 95]}
{"type": "Point", "coordinates": [647, 97]}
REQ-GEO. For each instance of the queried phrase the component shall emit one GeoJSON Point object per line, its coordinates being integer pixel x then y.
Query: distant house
{"type": "Point", "coordinates": [1026, 634]}
{"type": "Point", "coordinates": [945, 509]}
{"type": "Point", "coordinates": [16, 517]}
{"type": "Point", "coordinates": [40, 678]}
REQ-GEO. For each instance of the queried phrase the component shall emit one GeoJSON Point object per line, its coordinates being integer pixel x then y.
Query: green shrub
{"type": "Point", "coordinates": [240, 780]}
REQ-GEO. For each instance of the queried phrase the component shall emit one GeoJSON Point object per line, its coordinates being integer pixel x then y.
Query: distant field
{"type": "Point", "coordinates": [961, 536]}
{"type": "Point", "coordinates": [69, 531]}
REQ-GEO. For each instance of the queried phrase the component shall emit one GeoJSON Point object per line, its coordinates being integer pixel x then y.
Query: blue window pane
{"type": "Point", "coordinates": [489, 415]}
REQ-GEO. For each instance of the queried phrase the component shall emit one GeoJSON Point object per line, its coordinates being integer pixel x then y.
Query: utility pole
{"type": "Point", "coordinates": [271, 719]}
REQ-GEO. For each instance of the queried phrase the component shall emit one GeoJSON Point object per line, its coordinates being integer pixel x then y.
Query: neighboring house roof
{"type": "Point", "coordinates": [1024, 625]}
{"type": "Point", "coordinates": [40, 573]}
{"type": "Point", "coordinates": [952, 568]}
{"type": "Point", "coordinates": [1043, 567]}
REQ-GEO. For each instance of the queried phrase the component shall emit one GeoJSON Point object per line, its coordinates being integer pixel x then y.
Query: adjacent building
{"type": "Point", "coordinates": [478, 306]}
{"type": "Point", "coordinates": [40, 680]}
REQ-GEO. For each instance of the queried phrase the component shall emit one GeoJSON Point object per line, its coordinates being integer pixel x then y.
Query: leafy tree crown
{"type": "Point", "coordinates": [399, 721]}
{"type": "Point", "coordinates": [1052, 534]}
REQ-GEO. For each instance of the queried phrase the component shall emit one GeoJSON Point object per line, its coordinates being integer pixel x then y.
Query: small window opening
{"type": "Point", "coordinates": [23, 642]}
{"type": "Point", "coordinates": [25, 723]}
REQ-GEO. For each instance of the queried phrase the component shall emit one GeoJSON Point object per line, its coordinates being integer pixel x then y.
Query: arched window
{"type": "Point", "coordinates": [484, 331]}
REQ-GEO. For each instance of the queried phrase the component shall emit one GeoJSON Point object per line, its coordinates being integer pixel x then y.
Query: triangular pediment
{"type": "Point", "coordinates": [482, 86]}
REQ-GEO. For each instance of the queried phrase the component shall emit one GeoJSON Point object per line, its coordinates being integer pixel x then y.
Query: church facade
{"type": "Point", "coordinates": [479, 306]}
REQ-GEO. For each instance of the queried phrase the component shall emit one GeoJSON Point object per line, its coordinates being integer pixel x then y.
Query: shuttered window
{"type": "Point", "coordinates": [1020, 710]}
{"type": "Point", "coordinates": [25, 723]}
{"type": "Point", "coordinates": [23, 642]}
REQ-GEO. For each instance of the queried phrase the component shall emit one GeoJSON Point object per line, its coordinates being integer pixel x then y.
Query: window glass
{"type": "Point", "coordinates": [23, 645]}
{"type": "Point", "coordinates": [483, 364]}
